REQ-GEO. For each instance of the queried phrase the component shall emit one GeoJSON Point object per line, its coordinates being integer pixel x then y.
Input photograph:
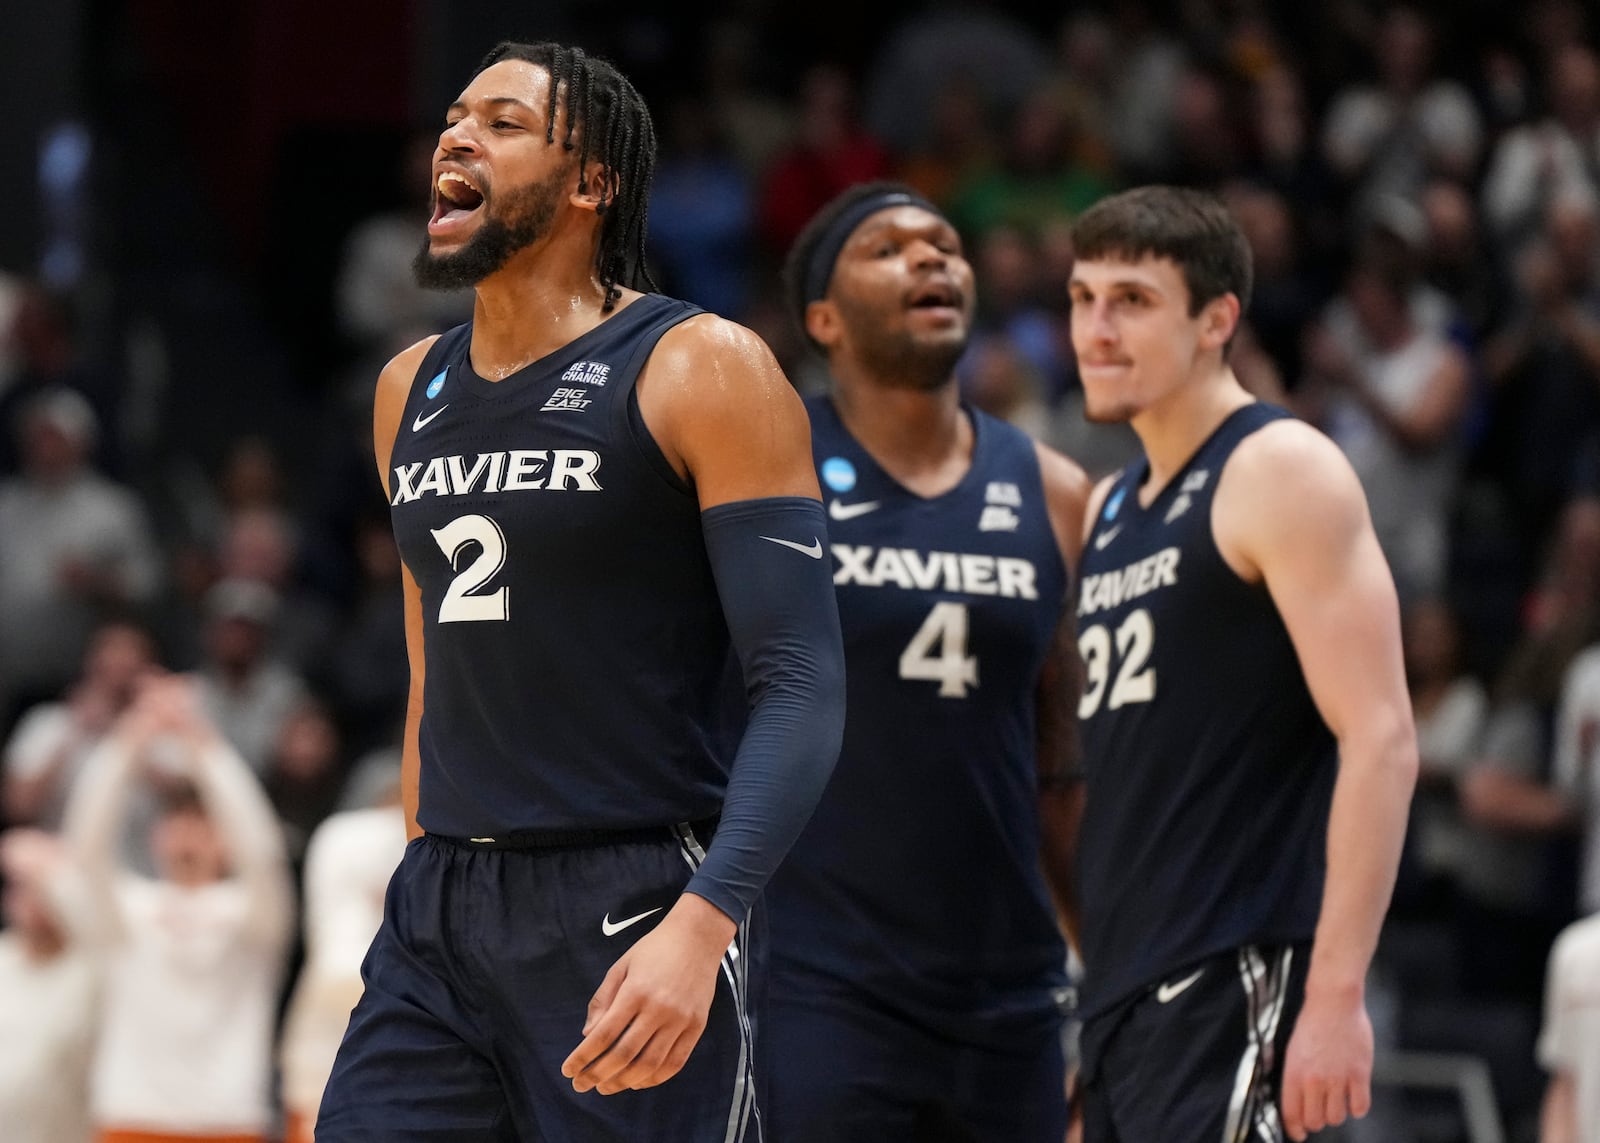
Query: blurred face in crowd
{"type": "Point", "coordinates": [118, 657]}
{"type": "Point", "coordinates": [50, 452]}
{"type": "Point", "coordinates": [1136, 341]}
{"type": "Point", "coordinates": [189, 849]}
{"type": "Point", "coordinates": [901, 297]}
{"type": "Point", "coordinates": [497, 183]}
{"type": "Point", "coordinates": [1431, 641]}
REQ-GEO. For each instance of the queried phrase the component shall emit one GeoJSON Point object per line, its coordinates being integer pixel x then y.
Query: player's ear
{"type": "Point", "coordinates": [597, 191]}
{"type": "Point", "coordinates": [1218, 321]}
{"type": "Point", "coordinates": [823, 322]}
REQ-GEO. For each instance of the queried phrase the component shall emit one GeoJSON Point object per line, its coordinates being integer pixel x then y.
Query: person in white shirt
{"type": "Point", "coordinates": [349, 861]}
{"type": "Point", "coordinates": [1569, 1044]}
{"type": "Point", "coordinates": [194, 957]}
{"type": "Point", "coordinates": [47, 1000]}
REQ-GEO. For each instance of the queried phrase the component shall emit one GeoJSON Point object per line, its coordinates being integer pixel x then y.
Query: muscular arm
{"type": "Point", "coordinates": [1060, 683]}
{"type": "Point", "coordinates": [1290, 513]}
{"type": "Point", "coordinates": [388, 406]}
{"type": "Point", "coordinates": [727, 420]}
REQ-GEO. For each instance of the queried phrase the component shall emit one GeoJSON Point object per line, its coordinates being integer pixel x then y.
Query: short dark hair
{"type": "Point", "coordinates": [798, 261]}
{"type": "Point", "coordinates": [1191, 228]}
{"type": "Point", "coordinates": [613, 125]}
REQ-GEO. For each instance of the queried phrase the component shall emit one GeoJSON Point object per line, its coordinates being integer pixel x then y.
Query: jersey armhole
{"type": "Point", "coordinates": [645, 442]}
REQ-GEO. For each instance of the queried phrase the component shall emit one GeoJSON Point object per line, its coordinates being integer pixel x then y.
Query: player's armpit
{"type": "Point", "coordinates": [724, 415]}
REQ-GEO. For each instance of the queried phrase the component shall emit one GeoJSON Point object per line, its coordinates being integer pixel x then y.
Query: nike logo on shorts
{"type": "Point", "coordinates": [814, 551]}
{"type": "Point", "coordinates": [1167, 993]}
{"type": "Point", "coordinates": [842, 512]}
{"type": "Point", "coordinates": [612, 928]}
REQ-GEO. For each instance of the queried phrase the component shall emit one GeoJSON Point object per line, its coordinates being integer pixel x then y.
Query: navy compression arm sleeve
{"type": "Point", "coordinates": [775, 576]}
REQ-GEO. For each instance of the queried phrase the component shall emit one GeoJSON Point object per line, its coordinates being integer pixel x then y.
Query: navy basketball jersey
{"type": "Point", "coordinates": [575, 645]}
{"type": "Point", "coordinates": [918, 877]}
{"type": "Point", "coordinates": [1209, 770]}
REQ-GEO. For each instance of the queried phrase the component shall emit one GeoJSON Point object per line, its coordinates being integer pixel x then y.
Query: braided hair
{"type": "Point", "coordinates": [613, 125]}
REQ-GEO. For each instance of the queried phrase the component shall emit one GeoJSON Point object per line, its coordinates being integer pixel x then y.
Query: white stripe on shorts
{"type": "Point", "coordinates": [743, 1103]}
{"type": "Point", "coordinates": [1253, 1110]}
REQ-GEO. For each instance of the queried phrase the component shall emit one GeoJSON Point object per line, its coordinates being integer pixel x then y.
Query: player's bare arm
{"type": "Point", "coordinates": [728, 421]}
{"type": "Point", "coordinates": [388, 406]}
{"type": "Point", "coordinates": [1290, 513]}
{"type": "Point", "coordinates": [1067, 492]}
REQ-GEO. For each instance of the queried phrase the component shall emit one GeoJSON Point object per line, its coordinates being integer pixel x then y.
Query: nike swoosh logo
{"type": "Point", "coordinates": [421, 420]}
{"type": "Point", "coordinates": [1167, 993]}
{"type": "Point", "coordinates": [1105, 538]}
{"type": "Point", "coordinates": [611, 929]}
{"type": "Point", "coordinates": [814, 551]}
{"type": "Point", "coordinates": [838, 511]}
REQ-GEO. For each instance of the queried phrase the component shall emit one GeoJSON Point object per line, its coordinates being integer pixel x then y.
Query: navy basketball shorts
{"type": "Point", "coordinates": [1199, 1057]}
{"type": "Point", "coordinates": [477, 987]}
{"type": "Point", "coordinates": [842, 1069]}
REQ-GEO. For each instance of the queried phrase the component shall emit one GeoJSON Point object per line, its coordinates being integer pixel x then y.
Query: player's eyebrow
{"type": "Point", "coordinates": [493, 101]}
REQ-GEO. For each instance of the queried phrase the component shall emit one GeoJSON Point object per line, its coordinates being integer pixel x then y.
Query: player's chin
{"type": "Point", "coordinates": [1108, 411]}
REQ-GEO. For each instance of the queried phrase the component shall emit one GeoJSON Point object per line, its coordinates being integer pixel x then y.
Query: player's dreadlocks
{"type": "Point", "coordinates": [613, 125]}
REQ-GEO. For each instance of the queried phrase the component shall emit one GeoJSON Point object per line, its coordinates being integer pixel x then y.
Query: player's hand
{"type": "Point", "coordinates": [1327, 1075]}
{"type": "Point", "coordinates": [648, 1013]}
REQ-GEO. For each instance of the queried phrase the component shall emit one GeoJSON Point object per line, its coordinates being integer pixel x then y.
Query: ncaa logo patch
{"type": "Point", "coordinates": [1114, 504]}
{"type": "Point", "coordinates": [838, 474]}
{"type": "Point", "coordinates": [437, 383]}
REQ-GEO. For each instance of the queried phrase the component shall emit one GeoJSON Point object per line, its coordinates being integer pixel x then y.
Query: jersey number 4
{"type": "Point", "coordinates": [938, 652]}
{"type": "Point", "coordinates": [459, 604]}
{"type": "Point", "coordinates": [1135, 682]}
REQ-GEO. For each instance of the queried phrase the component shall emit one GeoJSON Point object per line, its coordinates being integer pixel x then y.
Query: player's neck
{"type": "Point", "coordinates": [918, 436]}
{"type": "Point", "coordinates": [543, 299]}
{"type": "Point", "coordinates": [1178, 424]}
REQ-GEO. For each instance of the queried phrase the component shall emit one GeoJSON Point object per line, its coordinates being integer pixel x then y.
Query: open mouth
{"type": "Point", "coordinates": [455, 198]}
{"type": "Point", "coordinates": [936, 296]}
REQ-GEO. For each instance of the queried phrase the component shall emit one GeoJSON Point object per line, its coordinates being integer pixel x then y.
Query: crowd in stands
{"type": "Point", "coordinates": [203, 679]}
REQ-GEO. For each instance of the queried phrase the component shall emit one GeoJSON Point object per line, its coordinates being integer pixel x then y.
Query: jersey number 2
{"type": "Point", "coordinates": [1135, 682]}
{"type": "Point", "coordinates": [459, 604]}
{"type": "Point", "coordinates": [952, 668]}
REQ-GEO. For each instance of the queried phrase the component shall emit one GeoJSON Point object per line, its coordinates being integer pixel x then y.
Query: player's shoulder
{"type": "Point", "coordinates": [704, 343]}
{"type": "Point", "coordinates": [402, 368]}
{"type": "Point", "coordinates": [1062, 476]}
{"type": "Point", "coordinates": [1290, 463]}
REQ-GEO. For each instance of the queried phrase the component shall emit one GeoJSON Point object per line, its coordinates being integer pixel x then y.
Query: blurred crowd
{"type": "Point", "coordinates": [203, 672]}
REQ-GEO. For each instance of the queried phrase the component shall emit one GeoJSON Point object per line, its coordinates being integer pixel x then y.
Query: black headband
{"type": "Point", "coordinates": [825, 252]}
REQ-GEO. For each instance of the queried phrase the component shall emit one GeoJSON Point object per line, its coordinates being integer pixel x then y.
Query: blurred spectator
{"type": "Point", "coordinates": [1040, 178]}
{"type": "Point", "coordinates": [47, 999]}
{"type": "Point", "coordinates": [249, 695]}
{"type": "Point", "coordinates": [1541, 364]}
{"type": "Point", "coordinates": [1393, 396]}
{"type": "Point", "coordinates": [1554, 158]}
{"type": "Point", "coordinates": [87, 548]}
{"type": "Point", "coordinates": [51, 743]}
{"type": "Point", "coordinates": [1569, 1044]}
{"type": "Point", "coordinates": [1576, 765]}
{"type": "Point", "coordinates": [1450, 708]}
{"type": "Point", "coordinates": [998, 379]}
{"type": "Point", "coordinates": [1007, 268]}
{"type": "Point", "coordinates": [1283, 299]}
{"type": "Point", "coordinates": [1456, 260]}
{"type": "Point", "coordinates": [193, 958]}
{"type": "Point", "coordinates": [1208, 143]}
{"type": "Point", "coordinates": [1388, 137]}
{"type": "Point", "coordinates": [381, 309]}
{"type": "Point", "coordinates": [831, 151]}
{"type": "Point", "coordinates": [1148, 64]}
{"type": "Point", "coordinates": [370, 674]}
{"type": "Point", "coordinates": [970, 46]}
{"type": "Point", "coordinates": [348, 865]}
{"type": "Point", "coordinates": [756, 124]}
{"type": "Point", "coordinates": [701, 213]}
{"type": "Point", "coordinates": [306, 774]}
{"type": "Point", "coordinates": [959, 144]}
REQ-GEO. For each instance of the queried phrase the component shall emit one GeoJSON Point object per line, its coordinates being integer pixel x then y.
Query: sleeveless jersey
{"type": "Point", "coordinates": [918, 877]}
{"type": "Point", "coordinates": [1210, 772]}
{"type": "Point", "coordinates": [576, 652]}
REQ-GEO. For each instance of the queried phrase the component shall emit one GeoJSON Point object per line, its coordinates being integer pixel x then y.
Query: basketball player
{"type": "Point", "coordinates": [597, 494]}
{"type": "Point", "coordinates": [918, 970]}
{"type": "Point", "coordinates": [1247, 737]}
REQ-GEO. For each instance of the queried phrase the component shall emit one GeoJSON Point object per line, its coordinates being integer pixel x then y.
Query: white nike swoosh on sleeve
{"type": "Point", "coordinates": [814, 550]}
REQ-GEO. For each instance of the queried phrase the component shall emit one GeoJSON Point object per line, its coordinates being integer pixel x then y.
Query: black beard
{"type": "Point", "coordinates": [529, 211]}
{"type": "Point", "coordinates": [924, 367]}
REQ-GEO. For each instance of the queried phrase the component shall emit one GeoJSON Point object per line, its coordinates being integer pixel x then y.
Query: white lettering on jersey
{"type": "Point", "coordinates": [907, 568]}
{"type": "Point", "coordinates": [557, 470]}
{"type": "Point", "coordinates": [1111, 589]}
